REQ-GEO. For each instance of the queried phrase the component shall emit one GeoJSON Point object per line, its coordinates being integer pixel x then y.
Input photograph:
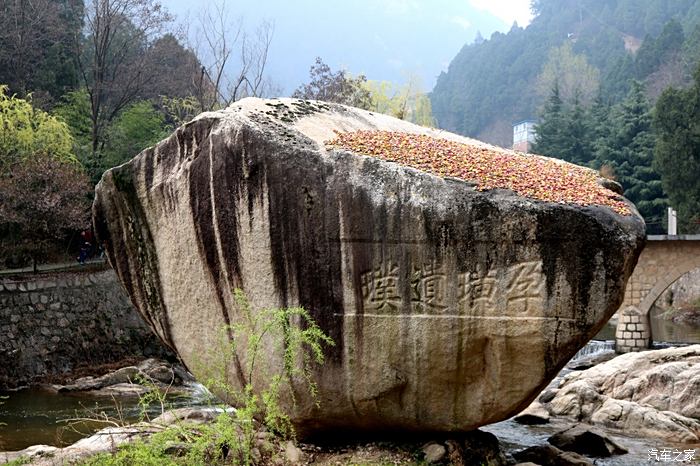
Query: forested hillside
{"type": "Point", "coordinates": [591, 48]}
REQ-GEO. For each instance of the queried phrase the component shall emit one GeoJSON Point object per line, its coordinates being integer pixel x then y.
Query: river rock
{"type": "Point", "coordinates": [131, 380]}
{"type": "Point", "coordinates": [652, 393]}
{"type": "Point", "coordinates": [123, 375]}
{"type": "Point", "coordinates": [104, 441]}
{"type": "Point", "coordinates": [434, 452]}
{"type": "Point", "coordinates": [480, 447]}
{"type": "Point", "coordinates": [590, 361]}
{"type": "Point", "coordinates": [586, 441]}
{"type": "Point", "coordinates": [292, 453]}
{"type": "Point", "coordinates": [450, 307]}
{"type": "Point", "coordinates": [548, 455]}
{"type": "Point", "coordinates": [190, 415]}
{"type": "Point", "coordinates": [536, 413]}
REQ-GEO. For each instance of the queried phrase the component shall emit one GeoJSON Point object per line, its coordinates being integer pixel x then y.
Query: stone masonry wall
{"type": "Point", "coordinates": [633, 331]}
{"type": "Point", "coordinates": [52, 324]}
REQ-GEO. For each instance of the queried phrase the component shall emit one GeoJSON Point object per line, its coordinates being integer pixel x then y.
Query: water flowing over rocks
{"type": "Point", "coordinates": [450, 307]}
{"type": "Point", "coordinates": [652, 393]}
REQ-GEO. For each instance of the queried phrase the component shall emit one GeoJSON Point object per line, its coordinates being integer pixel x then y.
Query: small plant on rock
{"type": "Point", "coordinates": [293, 333]}
{"type": "Point", "coordinates": [240, 435]}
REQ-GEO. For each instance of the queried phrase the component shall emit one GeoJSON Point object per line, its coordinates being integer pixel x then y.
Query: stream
{"type": "Point", "coordinates": [34, 416]}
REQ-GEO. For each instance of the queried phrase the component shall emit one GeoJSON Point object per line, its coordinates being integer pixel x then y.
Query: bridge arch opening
{"type": "Point", "coordinates": [675, 315]}
{"type": "Point", "coordinates": [665, 280]}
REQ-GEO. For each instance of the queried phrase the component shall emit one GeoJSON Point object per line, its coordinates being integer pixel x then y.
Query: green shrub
{"type": "Point", "coordinates": [26, 131]}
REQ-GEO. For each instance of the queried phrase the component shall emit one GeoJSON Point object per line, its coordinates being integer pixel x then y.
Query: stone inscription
{"type": "Point", "coordinates": [517, 289]}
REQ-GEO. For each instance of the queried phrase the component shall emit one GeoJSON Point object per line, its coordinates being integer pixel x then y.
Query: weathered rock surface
{"type": "Point", "coordinates": [130, 381]}
{"type": "Point", "coordinates": [536, 413]}
{"type": "Point", "coordinates": [434, 452]}
{"type": "Point", "coordinates": [450, 307]}
{"type": "Point", "coordinates": [586, 441]}
{"type": "Point", "coordinates": [547, 455]}
{"type": "Point", "coordinates": [652, 393]}
{"type": "Point", "coordinates": [482, 448]}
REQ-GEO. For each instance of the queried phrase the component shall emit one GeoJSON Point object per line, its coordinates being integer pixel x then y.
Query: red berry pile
{"type": "Point", "coordinates": [527, 175]}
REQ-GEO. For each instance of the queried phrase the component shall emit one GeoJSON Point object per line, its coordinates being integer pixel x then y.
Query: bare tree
{"type": "Point", "coordinates": [30, 31]}
{"type": "Point", "coordinates": [338, 87]}
{"type": "Point", "coordinates": [113, 59]}
{"type": "Point", "coordinates": [233, 60]}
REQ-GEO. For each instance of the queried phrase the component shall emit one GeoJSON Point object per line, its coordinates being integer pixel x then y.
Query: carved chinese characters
{"type": "Point", "coordinates": [430, 289]}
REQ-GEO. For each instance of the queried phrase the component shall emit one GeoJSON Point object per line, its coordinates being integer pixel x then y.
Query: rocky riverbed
{"type": "Point", "coordinates": [657, 390]}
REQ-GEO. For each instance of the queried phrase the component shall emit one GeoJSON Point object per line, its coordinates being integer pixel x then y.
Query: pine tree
{"type": "Point", "coordinates": [677, 152]}
{"type": "Point", "coordinates": [549, 132]}
{"type": "Point", "coordinates": [629, 150]}
{"type": "Point", "coordinates": [564, 131]}
{"type": "Point", "coordinates": [576, 135]}
{"type": "Point", "coordinates": [598, 117]}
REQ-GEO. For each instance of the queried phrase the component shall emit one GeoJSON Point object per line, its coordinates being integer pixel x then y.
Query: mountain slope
{"type": "Point", "coordinates": [491, 84]}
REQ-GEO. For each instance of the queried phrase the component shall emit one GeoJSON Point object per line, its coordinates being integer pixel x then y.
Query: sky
{"type": "Point", "coordinates": [382, 39]}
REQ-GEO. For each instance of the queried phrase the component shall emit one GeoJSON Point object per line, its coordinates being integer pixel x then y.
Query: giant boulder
{"type": "Point", "coordinates": [450, 306]}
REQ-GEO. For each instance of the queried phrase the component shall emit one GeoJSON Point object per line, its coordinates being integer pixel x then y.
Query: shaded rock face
{"type": "Point", "coordinates": [450, 308]}
{"type": "Point", "coordinates": [586, 441]}
{"type": "Point", "coordinates": [547, 455]}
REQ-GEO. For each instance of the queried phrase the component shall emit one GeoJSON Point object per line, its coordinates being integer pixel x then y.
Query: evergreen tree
{"type": "Point", "coordinates": [492, 82]}
{"type": "Point", "coordinates": [616, 83]}
{"type": "Point", "coordinates": [564, 131]}
{"type": "Point", "coordinates": [598, 117]}
{"type": "Point", "coordinates": [654, 52]}
{"type": "Point", "coordinates": [677, 152]}
{"type": "Point", "coordinates": [549, 131]}
{"type": "Point", "coordinates": [629, 150]}
{"type": "Point", "coordinates": [36, 53]}
{"type": "Point", "coordinates": [576, 135]}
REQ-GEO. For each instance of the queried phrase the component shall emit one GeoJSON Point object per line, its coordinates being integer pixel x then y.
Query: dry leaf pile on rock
{"type": "Point", "coordinates": [530, 176]}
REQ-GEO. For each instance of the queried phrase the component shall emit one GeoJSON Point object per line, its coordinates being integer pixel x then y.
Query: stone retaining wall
{"type": "Point", "coordinates": [51, 324]}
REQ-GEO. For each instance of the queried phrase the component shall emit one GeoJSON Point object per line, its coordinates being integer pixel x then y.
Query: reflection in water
{"type": "Point", "coordinates": [667, 330]}
{"type": "Point", "coordinates": [34, 416]}
{"type": "Point", "coordinates": [662, 330]}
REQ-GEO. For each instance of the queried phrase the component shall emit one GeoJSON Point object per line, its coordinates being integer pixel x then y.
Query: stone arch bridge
{"type": "Point", "coordinates": [663, 261]}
